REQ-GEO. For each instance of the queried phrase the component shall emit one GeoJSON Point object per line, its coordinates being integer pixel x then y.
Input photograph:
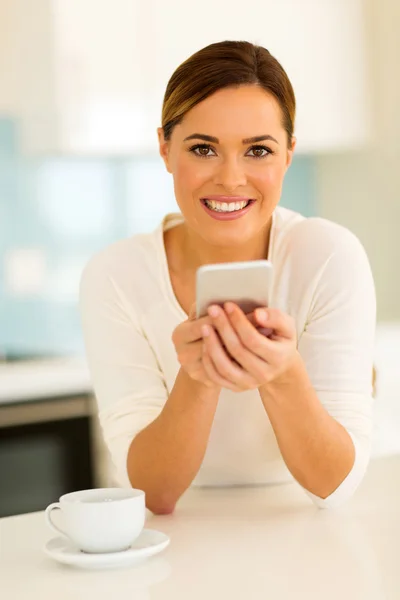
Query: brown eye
{"type": "Point", "coordinates": [201, 150]}
{"type": "Point", "coordinates": [204, 150]}
{"type": "Point", "coordinates": [260, 151]}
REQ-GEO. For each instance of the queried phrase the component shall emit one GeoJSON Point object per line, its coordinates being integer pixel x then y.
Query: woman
{"type": "Point", "coordinates": [211, 400]}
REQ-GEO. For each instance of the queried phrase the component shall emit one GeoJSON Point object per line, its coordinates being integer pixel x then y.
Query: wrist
{"type": "Point", "coordinates": [198, 390]}
{"type": "Point", "coordinates": [295, 374]}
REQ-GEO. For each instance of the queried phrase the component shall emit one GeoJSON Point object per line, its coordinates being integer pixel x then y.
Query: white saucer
{"type": "Point", "coordinates": [149, 542]}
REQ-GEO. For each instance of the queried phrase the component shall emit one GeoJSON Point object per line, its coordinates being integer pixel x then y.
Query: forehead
{"type": "Point", "coordinates": [242, 111]}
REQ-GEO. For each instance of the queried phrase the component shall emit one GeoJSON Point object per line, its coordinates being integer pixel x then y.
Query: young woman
{"type": "Point", "coordinates": [212, 401]}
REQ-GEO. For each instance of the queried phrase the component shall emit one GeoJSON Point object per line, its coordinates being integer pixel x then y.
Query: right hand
{"type": "Point", "coordinates": [188, 341]}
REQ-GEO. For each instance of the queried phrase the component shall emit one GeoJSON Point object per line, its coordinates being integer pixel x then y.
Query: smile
{"type": "Point", "coordinates": [226, 206]}
{"type": "Point", "coordinates": [227, 211]}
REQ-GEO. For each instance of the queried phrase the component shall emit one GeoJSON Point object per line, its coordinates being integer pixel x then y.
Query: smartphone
{"type": "Point", "coordinates": [247, 284]}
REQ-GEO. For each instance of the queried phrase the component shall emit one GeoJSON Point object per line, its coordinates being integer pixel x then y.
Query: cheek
{"type": "Point", "coordinates": [270, 178]}
{"type": "Point", "coordinates": [187, 175]}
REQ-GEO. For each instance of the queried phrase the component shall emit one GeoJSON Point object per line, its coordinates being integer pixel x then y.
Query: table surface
{"type": "Point", "coordinates": [232, 543]}
{"type": "Point", "coordinates": [28, 380]}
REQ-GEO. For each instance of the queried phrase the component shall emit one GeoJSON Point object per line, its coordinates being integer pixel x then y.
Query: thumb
{"type": "Point", "coordinates": [281, 323]}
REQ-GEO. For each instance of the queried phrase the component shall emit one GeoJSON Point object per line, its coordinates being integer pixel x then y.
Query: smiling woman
{"type": "Point", "coordinates": [212, 401]}
{"type": "Point", "coordinates": [244, 163]}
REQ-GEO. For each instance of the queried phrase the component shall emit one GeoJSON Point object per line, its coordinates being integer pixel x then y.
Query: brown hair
{"type": "Point", "coordinates": [222, 65]}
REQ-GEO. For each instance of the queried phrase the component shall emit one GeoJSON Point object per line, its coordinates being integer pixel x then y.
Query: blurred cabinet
{"type": "Point", "coordinates": [46, 450]}
{"type": "Point", "coordinates": [90, 75]}
{"type": "Point", "coordinates": [319, 43]}
{"type": "Point", "coordinates": [76, 84]}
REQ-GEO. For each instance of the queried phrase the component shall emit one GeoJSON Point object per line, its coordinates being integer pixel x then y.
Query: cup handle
{"type": "Point", "coordinates": [49, 520]}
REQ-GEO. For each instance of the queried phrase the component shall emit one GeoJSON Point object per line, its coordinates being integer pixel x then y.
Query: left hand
{"type": "Point", "coordinates": [257, 359]}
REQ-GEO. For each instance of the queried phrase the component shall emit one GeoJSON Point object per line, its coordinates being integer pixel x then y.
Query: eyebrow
{"type": "Point", "coordinates": [214, 140]}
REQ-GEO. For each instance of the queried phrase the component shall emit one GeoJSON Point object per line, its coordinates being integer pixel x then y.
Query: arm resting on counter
{"type": "Point", "coordinates": [164, 458]}
{"type": "Point", "coordinates": [156, 439]}
{"type": "Point", "coordinates": [321, 411]}
{"type": "Point", "coordinates": [316, 448]}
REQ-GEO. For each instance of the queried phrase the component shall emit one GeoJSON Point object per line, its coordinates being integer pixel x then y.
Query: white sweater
{"type": "Point", "coordinates": [129, 311]}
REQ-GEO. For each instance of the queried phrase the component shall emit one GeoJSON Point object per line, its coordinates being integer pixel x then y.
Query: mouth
{"type": "Point", "coordinates": [227, 207]}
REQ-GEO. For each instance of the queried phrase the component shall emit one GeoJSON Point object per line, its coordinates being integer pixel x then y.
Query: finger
{"type": "Point", "coordinates": [189, 354]}
{"type": "Point", "coordinates": [224, 366]}
{"type": "Point", "coordinates": [230, 340]}
{"type": "Point", "coordinates": [212, 373]}
{"type": "Point", "coordinates": [250, 339]}
{"type": "Point", "coordinates": [192, 330]}
{"type": "Point", "coordinates": [251, 357]}
{"type": "Point", "coordinates": [283, 325]}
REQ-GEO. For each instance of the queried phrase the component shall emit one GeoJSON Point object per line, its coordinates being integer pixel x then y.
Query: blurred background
{"type": "Point", "coordinates": [81, 89]}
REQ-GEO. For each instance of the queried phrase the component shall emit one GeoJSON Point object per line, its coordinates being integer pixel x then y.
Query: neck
{"type": "Point", "coordinates": [198, 252]}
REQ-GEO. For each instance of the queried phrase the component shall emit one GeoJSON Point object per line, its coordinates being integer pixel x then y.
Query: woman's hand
{"type": "Point", "coordinates": [257, 359]}
{"type": "Point", "coordinates": [188, 341]}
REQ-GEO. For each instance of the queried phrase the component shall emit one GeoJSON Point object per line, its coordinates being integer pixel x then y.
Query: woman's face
{"type": "Point", "coordinates": [211, 176]}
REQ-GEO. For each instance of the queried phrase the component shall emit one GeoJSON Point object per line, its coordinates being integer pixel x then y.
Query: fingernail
{"type": "Point", "coordinates": [213, 311]}
{"type": "Point", "coordinates": [262, 315]}
{"type": "Point", "coordinates": [229, 308]}
{"type": "Point", "coordinates": [205, 330]}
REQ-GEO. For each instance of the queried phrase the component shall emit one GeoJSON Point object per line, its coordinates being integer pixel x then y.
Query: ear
{"type": "Point", "coordinates": [163, 148]}
{"type": "Point", "coordinates": [290, 152]}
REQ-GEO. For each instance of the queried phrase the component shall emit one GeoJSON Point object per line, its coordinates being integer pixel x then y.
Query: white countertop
{"type": "Point", "coordinates": [228, 544]}
{"type": "Point", "coordinates": [27, 380]}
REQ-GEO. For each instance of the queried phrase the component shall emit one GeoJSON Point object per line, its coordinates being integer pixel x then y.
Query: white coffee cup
{"type": "Point", "coordinates": [100, 520]}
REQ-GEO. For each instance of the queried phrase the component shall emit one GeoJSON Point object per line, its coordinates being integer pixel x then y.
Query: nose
{"type": "Point", "coordinates": [230, 175]}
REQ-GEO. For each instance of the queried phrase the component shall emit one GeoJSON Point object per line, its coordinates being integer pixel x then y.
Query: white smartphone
{"type": "Point", "coordinates": [248, 284]}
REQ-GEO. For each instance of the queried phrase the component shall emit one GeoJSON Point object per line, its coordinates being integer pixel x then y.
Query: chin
{"type": "Point", "coordinates": [221, 237]}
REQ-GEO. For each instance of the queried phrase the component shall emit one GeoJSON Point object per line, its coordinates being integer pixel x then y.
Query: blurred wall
{"type": "Point", "coordinates": [362, 190]}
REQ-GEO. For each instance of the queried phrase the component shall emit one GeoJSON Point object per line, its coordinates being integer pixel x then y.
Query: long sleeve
{"type": "Point", "coordinates": [128, 312]}
{"type": "Point", "coordinates": [127, 380]}
{"type": "Point", "coordinates": [337, 346]}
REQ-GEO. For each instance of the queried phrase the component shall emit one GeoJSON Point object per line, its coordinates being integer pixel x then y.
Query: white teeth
{"type": "Point", "coordinates": [226, 206]}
